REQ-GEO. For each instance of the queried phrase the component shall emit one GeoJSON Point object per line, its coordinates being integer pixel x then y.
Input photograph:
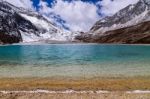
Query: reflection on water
{"type": "Point", "coordinates": [74, 60]}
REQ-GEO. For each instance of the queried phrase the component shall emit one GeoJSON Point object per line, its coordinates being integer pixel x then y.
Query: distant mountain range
{"type": "Point", "coordinates": [22, 25]}
{"type": "Point", "coordinates": [130, 25]}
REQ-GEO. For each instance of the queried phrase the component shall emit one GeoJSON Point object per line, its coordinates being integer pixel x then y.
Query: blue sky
{"type": "Point", "coordinates": [36, 2]}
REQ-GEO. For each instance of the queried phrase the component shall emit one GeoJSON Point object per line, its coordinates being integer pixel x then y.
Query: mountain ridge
{"type": "Point", "coordinates": [123, 16]}
{"type": "Point", "coordinates": [126, 19]}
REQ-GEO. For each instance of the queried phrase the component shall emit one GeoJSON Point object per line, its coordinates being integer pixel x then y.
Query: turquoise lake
{"type": "Point", "coordinates": [74, 60]}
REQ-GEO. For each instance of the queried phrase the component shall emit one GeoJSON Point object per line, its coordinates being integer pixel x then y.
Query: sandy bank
{"type": "Point", "coordinates": [110, 84]}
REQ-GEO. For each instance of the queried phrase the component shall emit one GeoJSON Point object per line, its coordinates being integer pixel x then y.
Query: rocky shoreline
{"type": "Point", "coordinates": [112, 95]}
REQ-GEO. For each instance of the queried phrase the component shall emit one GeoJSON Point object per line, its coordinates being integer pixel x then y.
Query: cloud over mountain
{"type": "Point", "coordinates": [76, 15]}
{"type": "Point", "coordinates": [110, 7]}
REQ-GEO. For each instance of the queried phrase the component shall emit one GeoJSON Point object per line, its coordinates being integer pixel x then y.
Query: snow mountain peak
{"type": "Point", "coordinates": [130, 15]}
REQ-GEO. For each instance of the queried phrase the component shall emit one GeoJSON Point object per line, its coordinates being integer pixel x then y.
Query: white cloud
{"type": "Point", "coordinates": [79, 15]}
{"type": "Point", "coordinates": [21, 3]}
{"type": "Point", "coordinates": [110, 7]}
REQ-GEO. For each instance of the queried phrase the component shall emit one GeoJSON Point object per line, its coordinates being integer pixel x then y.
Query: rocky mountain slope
{"type": "Point", "coordinates": [129, 25]}
{"type": "Point", "coordinates": [22, 25]}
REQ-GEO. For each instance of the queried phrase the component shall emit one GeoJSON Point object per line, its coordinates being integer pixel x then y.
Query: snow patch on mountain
{"type": "Point", "coordinates": [129, 16]}
{"type": "Point", "coordinates": [41, 24]}
{"type": "Point", "coordinates": [137, 19]}
{"type": "Point", "coordinates": [26, 37]}
{"type": "Point", "coordinates": [48, 31]}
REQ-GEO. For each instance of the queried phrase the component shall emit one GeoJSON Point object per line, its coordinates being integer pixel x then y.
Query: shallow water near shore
{"type": "Point", "coordinates": [74, 60]}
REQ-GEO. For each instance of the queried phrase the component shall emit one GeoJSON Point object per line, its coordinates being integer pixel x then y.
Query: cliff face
{"type": "Point", "coordinates": [12, 24]}
{"type": "Point", "coordinates": [129, 25]}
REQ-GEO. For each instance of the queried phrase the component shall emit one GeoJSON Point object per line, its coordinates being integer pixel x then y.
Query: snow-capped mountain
{"type": "Point", "coordinates": [24, 25]}
{"type": "Point", "coordinates": [129, 16]}
{"type": "Point", "coordinates": [129, 25]}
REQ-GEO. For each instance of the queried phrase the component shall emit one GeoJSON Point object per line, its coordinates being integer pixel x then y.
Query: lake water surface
{"type": "Point", "coordinates": [74, 60]}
